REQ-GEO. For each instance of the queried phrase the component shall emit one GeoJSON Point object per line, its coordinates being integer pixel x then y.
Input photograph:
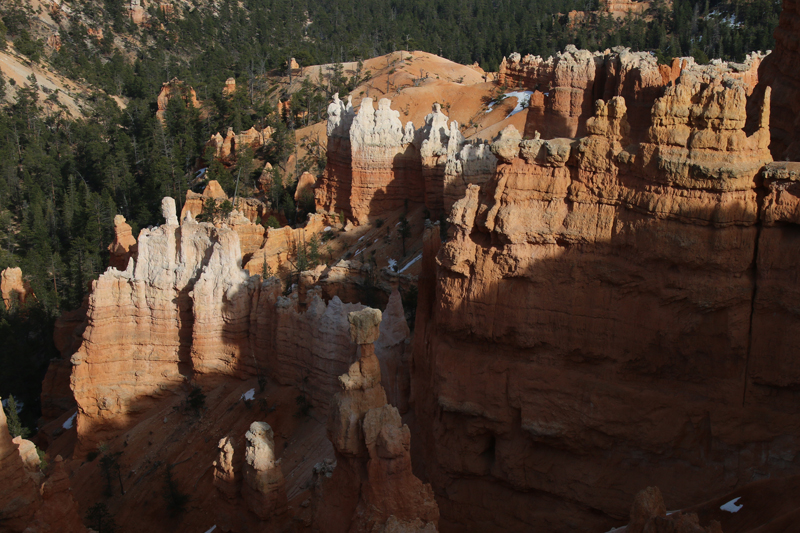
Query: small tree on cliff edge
{"type": "Point", "coordinates": [15, 427]}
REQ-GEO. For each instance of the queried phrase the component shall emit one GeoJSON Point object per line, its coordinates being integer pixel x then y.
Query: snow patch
{"type": "Point", "coordinates": [359, 239]}
{"type": "Point", "coordinates": [327, 228]}
{"type": "Point", "coordinates": [731, 506]}
{"type": "Point", "coordinates": [523, 99]}
{"type": "Point", "coordinates": [410, 263]}
{"type": "Point", "coordinates": [212, 528]}
{"type": "Point", "coordinates": [249, 395]}
{"type": "Point", "coordinates": [70, 421]}
{"type": "Point", "coordinates": [393, 264]}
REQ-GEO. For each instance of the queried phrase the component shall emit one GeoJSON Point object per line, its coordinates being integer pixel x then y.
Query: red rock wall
{"type": "Point", "coordinates": [19, 497]}
{"type": "Point", "coordinates": [332, 194]}
{"type": "Point", "coordinates": [389, 165]}
{"type": "Point", "coordinates": [592, 325]}
{"type": "Point", "coordinates": [779, 71]}
{"type": "Point", "coordinates": [386, 168]}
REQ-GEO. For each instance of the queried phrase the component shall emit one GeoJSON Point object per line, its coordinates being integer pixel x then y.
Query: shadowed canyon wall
{"type": "Point", "coordinates": [612, 306]}
{"type": "Point", "coordinates": [607, 315]}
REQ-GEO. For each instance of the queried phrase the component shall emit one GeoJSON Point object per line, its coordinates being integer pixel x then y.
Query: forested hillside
{"type": "Point", "coordinates": [64, 179]}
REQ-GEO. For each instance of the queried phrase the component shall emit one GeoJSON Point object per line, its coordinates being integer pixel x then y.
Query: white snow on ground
{"type": "Point", "coordinates": [327, 228]}
{"type": "Point", "coordinates": [249, 395]}
{"type": "Point", "coordinates": [523, 99]}
{"type": "Point", "coordinates": [359, 239]}
{"type": "Point", "coordinates": [69, 422]}
{"type": "Point", "coordinates": [731, 506]}
{"type": "Point", "coordinates": [212, 528]}
{"type": "Point", "coordinates": [393, 264]}
{"type": "Point", "coordinates": [411, 263]}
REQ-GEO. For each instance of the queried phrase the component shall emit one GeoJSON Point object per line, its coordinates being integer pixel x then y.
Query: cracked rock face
{"type": "Point", "coordinates": [608, 297]}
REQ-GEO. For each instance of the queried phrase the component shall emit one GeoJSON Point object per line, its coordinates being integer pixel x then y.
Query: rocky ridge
{"type": "Point", "coordinates": [564, 87]}
{"type": "Point", "coordinates": [623, 289]}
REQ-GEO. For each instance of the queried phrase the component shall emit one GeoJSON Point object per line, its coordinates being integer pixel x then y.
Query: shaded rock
{"type": "Point", "coordinates": [264, 487]}
{"type": "Point", "coordinates": [124, 245]}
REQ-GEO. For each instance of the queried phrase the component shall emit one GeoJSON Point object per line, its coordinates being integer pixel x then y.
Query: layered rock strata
{"type": "Point", "coordinates": [372, 487]}
{"type": "Point", "coordinates": [376, 165]}
{"type": "Point", "coordinates": [565, 86]}
{"type": "Point", "coordinates": [385, 169]}
{"type": "Point", "coordinates": [623, 292]}
{"type": "Point", "coordinates": [185, 309]}
{"type": "Point", "coordinates": [155, 323]}
{"type": "Point", "coordinates": [333, 193]}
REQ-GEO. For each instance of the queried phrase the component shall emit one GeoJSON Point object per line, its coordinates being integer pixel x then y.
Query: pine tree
{"type": "Point", "coordinates": [15, 427]}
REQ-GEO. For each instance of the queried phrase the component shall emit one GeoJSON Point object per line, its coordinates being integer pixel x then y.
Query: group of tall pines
{"type": "Point", "coordinates": [62, 180]}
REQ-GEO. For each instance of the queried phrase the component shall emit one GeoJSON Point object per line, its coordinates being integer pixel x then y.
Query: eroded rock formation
{"type": "Point", "coordinates": [123, 246]}
{"type": "Point", "coordinates": [778, 72]}
{"type": "Point", "coordinates": [231, 144]}
{"type": "Point", "coordinates": [564, 87]}
{"type": "Point", "coordinates": [376, 165]}
{"type": "Point", "coordinates": [14, 289]}
{"type": "Point", "coordinates": [264, 487]}
{"type": "Point", "coordinates": [250, 208]}
{"type": "Point", "coordinates": [139, 338]}
{"type": "Point", "coordinates": [172, 89]}
{"type": "Point", "coordinates": [28, 501]}
{"type": "Point", "coordinates": [59, 512]}
{"type": "Point", "coordinates": [372, 487]}
{"type": "Point", "coordinates": [19, 497]}
{"type": "Point", "coordinates": [649, 515]}
{"type": "Point", "coordinates": [622, 291]}
{"type": "Point", "coordinates": [184, 308]}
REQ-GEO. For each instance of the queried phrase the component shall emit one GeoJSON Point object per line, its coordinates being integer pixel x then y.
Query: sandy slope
{"type": "Point", "coordinates": [71, 96]}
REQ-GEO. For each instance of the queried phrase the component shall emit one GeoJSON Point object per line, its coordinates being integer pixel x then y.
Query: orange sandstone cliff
{"type": "Point", "coordinates": [623, 292]}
